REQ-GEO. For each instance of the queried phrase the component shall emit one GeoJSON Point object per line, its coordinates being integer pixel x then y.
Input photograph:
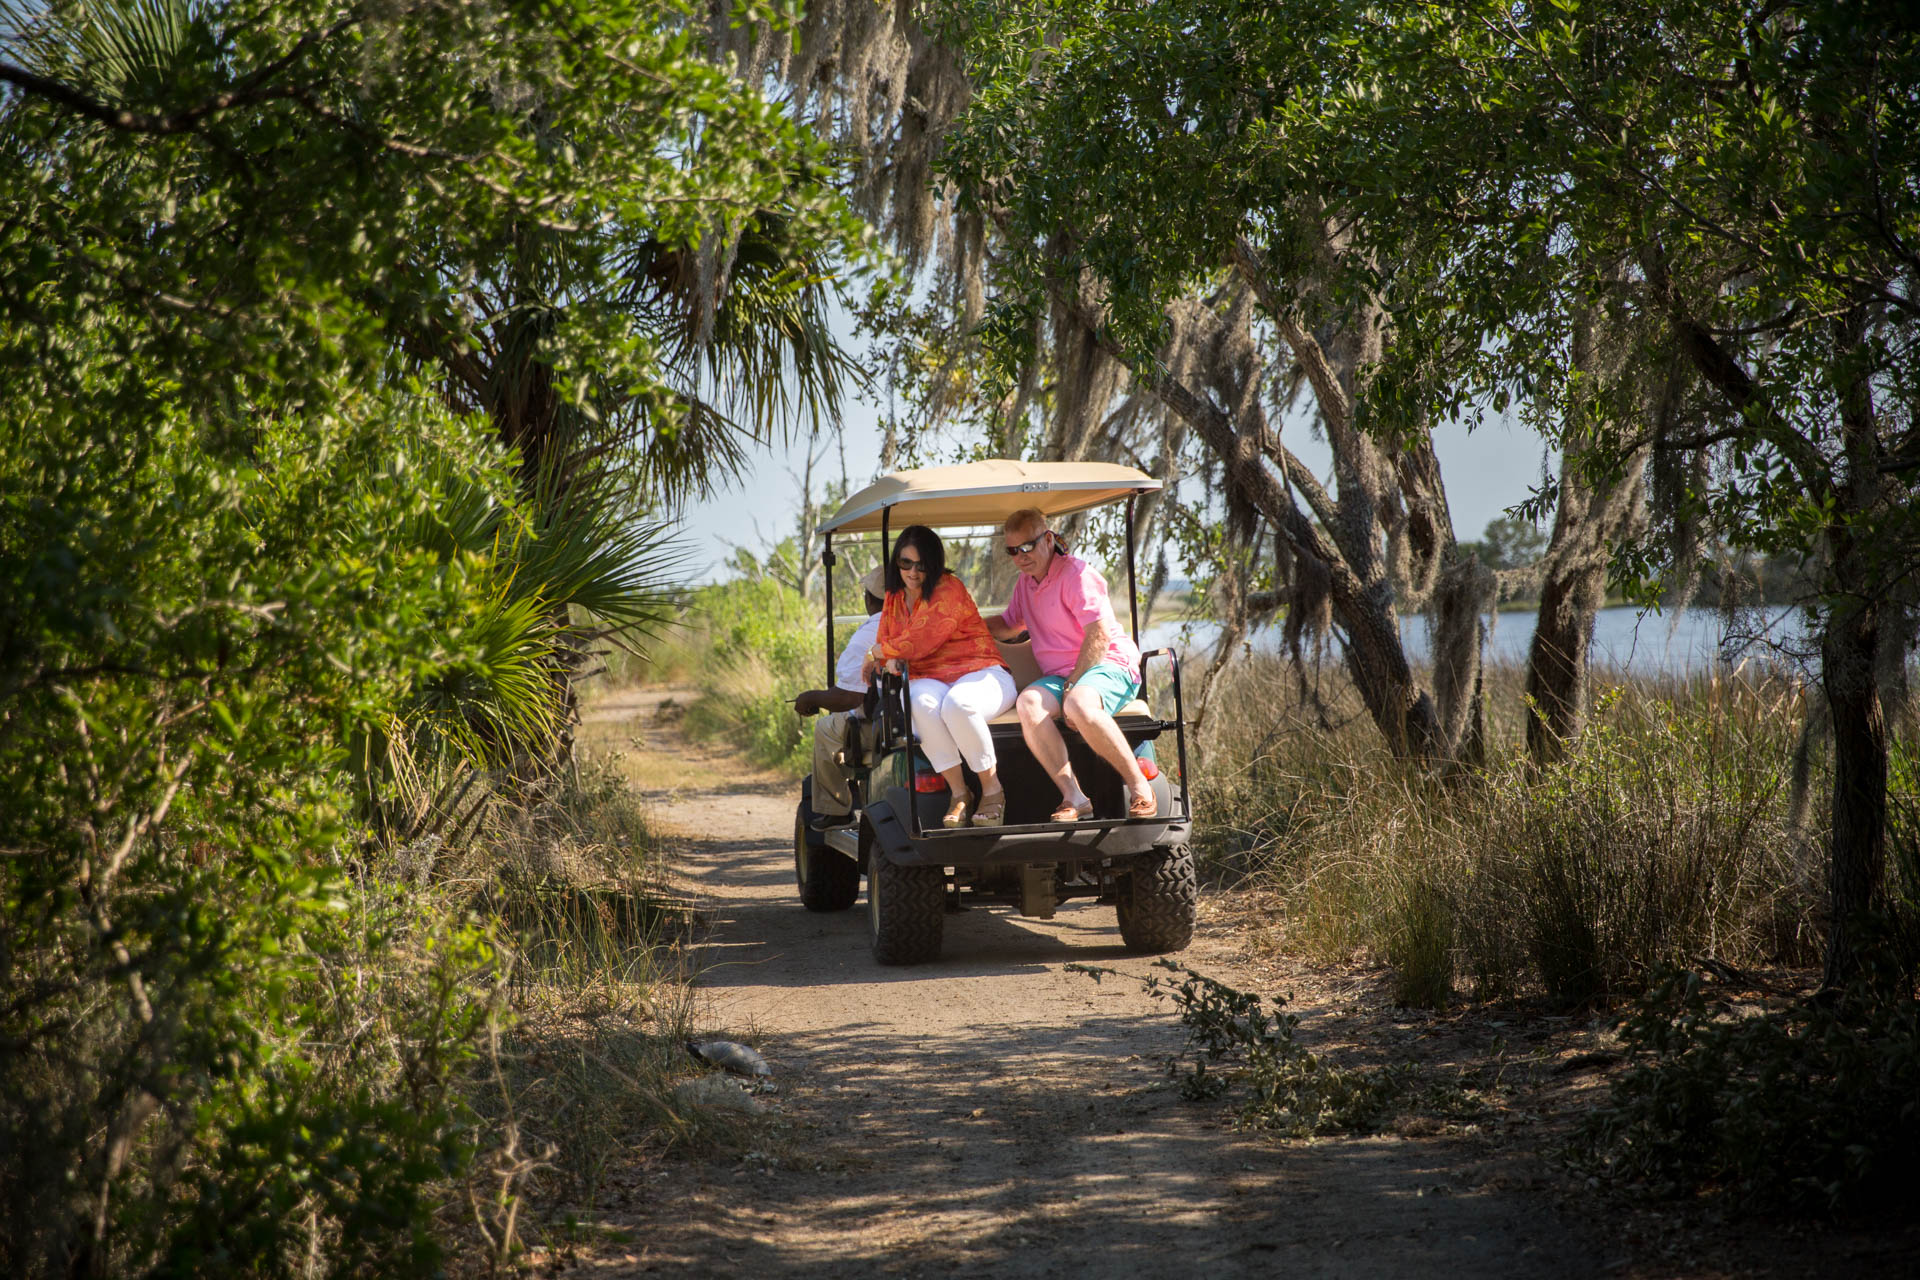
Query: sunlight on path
{"type": "Point", "coordinates": [992, 1114]}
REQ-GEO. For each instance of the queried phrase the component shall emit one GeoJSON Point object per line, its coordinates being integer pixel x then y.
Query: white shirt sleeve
{"type": "Point", "coordinates": [846, 672]}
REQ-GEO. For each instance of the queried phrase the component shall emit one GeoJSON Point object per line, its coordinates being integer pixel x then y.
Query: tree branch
{"type": "Point", "coordinates": [1726, 375]}
{"type": "Point", "coordinates": [1326, 384]}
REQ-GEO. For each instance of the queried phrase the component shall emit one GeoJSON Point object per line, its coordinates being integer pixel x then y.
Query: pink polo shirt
{"type": "Point", "coordinates": [1058, 609]}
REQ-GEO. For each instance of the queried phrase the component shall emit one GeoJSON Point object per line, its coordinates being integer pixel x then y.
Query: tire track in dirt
{"type": "Point", "coordinates": [992, 1114]}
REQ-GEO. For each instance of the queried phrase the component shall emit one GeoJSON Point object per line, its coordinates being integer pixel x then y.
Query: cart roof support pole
{"type": "Point", "coordinates": [826, 560]}
{"type": "Point", "coordinates": [1133, 581]}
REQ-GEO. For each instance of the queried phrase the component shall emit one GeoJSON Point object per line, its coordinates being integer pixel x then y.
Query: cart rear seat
{"type": "Point", "coordinates": [1019, 660]}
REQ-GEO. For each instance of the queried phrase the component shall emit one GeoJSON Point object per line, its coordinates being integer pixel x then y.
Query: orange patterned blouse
{"type": "Point", "coordinates": [943, 638]}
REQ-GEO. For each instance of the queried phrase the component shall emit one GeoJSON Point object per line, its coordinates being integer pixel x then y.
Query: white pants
{"type": "Point", "coordinates": [951, 719]}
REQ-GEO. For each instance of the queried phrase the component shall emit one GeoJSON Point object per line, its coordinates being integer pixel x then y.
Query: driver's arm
{"type": "Point", "coordinates": [816, 700]}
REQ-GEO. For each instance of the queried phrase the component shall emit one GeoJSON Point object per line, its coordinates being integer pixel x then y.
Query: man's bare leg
{"type": "Point", "coordinates": [1091, 721]}
{"type": "Point", "coordinates": [1037, 709]}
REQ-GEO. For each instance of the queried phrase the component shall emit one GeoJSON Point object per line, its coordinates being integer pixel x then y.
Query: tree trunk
{"type": "Point", "coordinates": [1557, 663]}
{"type": "Point", "coordinates": [1460, 601]}
{"type": "Point", "coordinates": [1848, 651]}
{"type": "Point", "coordinates": [1362, 604]}
{"type": "Point", "coordinates": [1862, 579]}
{"type": "Point", "coordinates": [1588, 520]}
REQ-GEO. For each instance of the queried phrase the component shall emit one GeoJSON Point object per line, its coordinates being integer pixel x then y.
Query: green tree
{"type": "Point", "coordinates": [259, 567]}
{"type": "Point", "coordinates": [1736, 182]}
{"type": "Point", "coordinates": [1176, 179]}
{"type": "Point", "coordinates": [589, 233]}
{"type": "Point", "coordinates": [1508, 543]}
{"type": "Point", "coordinates": [1677, 238]}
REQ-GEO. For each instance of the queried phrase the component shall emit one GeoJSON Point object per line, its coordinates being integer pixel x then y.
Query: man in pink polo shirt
{"type": "Point", "coordinates": [1090, 668]}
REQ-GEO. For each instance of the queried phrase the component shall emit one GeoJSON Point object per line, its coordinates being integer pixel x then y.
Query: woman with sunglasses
{"type": "Point", "coordinates": [956, 680]}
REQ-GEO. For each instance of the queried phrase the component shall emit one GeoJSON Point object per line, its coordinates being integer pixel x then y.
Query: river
{"type": "Point", "coordinates": [1626, 639]}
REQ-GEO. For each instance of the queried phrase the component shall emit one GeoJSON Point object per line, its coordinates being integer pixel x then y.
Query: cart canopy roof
{"type": "Point", "coordinates": [985, 493]}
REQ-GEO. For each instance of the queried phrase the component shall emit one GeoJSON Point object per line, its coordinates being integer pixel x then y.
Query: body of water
{"type": "Point", "coordinates": [1674, 643]}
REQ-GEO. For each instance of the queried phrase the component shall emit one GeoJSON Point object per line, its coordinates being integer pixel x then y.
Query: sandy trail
{"type": "Point", "coordinates": [992, 1114]}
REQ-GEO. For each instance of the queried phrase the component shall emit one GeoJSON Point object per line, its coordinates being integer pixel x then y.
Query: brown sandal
{"type": "Point", "coordinates": [1071, 812]}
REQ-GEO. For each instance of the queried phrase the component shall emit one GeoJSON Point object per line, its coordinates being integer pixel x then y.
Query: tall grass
{"type": "Point", "coordinates": [748, 646]}
{"type": "Point", "coordinates": [1662, 838]}
{"type": "Point", "coordinates": [578, 884]}
{"type": "Point", "coordinates": [594, 1008]}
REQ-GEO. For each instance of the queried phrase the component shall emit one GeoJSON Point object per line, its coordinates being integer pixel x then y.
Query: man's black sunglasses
{"type": "Point", "coordinates": [1022, 548]}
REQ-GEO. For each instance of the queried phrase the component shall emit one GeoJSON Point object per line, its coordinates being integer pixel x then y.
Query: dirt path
{"type": "Point", "coordinates": [992, 1114]}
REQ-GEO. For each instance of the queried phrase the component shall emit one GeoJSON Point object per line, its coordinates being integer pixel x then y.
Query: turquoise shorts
{"type": "Point", "coordinates": [1115, 687]}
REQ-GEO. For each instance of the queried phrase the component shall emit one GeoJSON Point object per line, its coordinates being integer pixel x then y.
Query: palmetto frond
{"type": "Point", "coordinates": [494, 701]}
{"type": "Point", "coordinates": [769, 362]}
{"type": "Point", "coordinates": [586, 552]}
{"type": "Point", "coordinates": [547, 550]}
{"type": "Point", "coordinates": [127, 52]}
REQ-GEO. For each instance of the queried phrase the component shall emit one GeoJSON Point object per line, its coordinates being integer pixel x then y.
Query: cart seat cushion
{"type": "Point", "coordinates": [1135, 710]}
{"type": "Point", "coordinates": [1019, 660]}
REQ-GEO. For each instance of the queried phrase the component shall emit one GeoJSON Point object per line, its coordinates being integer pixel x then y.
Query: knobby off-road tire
{"type": "Point", "coordinates": [829, 880]}
{"type": "Point", "coordinates": [1159, 901]}
{"type": "Point", "coordinates": [906, 909]}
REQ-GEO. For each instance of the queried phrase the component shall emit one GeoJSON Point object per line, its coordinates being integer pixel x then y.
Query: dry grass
{"type": "Point", "coordinates": [1662, 839]}
{"type": "Point", "coordinates": [577, 1096]}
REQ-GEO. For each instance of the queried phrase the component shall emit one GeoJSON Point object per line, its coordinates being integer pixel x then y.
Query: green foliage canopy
{"type": "Point", "coordinates": [257, 559]}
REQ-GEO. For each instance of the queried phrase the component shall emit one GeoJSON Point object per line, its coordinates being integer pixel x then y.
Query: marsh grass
{"type": "Point", "coordinates": [1661, 839]}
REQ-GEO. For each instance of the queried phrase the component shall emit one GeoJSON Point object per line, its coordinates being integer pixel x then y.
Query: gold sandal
{"type": "Point", "coordinates": [957, 813]}
{"type": "Point", "coordinates": [991, 811]}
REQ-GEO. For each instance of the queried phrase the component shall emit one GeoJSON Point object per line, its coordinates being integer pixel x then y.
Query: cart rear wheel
{"type": "Point", "coordinates": [1159, 900]}
{"type": "Point", "coordinates": [906, 909]}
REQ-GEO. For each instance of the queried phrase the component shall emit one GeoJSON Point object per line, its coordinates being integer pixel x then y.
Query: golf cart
{"type": "Point", "coordinates": [916, 868]}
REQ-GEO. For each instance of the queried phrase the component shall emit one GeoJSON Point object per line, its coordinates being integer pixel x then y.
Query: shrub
{"type": "Point", "coordinates": [756, 643]}
{"type": "Point", "coordinates": [1239, 1037]}
{"type": "Point", "coordinates": [1816, 1108]}
{"type": "Point", "coordinates": [224, 1042]}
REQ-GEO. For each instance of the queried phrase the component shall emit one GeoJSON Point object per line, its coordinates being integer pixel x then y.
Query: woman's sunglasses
{"type": "Point", "coordinates": [909, 566]}
{"type": "Point", "coordinates": [1020, 549]}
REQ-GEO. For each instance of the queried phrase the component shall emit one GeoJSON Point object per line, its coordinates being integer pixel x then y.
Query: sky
{"type": "Point", "coordinates": [1486, 471]}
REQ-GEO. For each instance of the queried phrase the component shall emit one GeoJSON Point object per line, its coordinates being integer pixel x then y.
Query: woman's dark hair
{"type": "Point", "coordinates": [932, 552]}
